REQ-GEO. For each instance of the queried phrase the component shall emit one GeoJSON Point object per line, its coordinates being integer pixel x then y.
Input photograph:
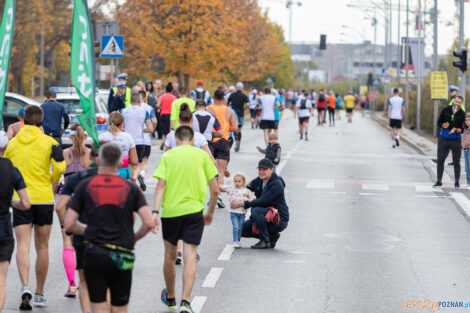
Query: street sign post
{"type": "Point", "coordinates": [158, 64]}
{"type": "Point", "coordinates": [106, 28]}
{"type": "Point", "coordinates": [376, 81]}
{"type": "Point", "coordinates": [112, 46]}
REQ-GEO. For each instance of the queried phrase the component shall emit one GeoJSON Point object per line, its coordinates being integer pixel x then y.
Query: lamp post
{"type": "Point", "coordinates": [289, 5]}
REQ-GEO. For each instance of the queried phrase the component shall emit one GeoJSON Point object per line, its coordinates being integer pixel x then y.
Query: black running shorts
{"type": "Point", "coordinates": [303, 120]}
{"type": "Point", "coordinates": [165, 124]}
{"type": "Point", "coordinates": [79, 255]}
{"type": "Point", "coordinates": [140, 150]}
{"type": "Point", "coordinates": [38, 214]}
{"type": "Point", "coordinates": [264, 124]}
{"type": "Point", "coordinates": [7, 245]}
{"type": "Point", "coordinates": [395, 123]}
{"type": "Point", "coordinates": [349, 110]}
{"type": "Point", "coordinates": [188, 228]}
{"type": "Point", "coordinates": [253, 113]}
{"type": "Point", "coordinates": [221, 149]}
{"type": "Point", "coordinates": [101, 273]}
{"type": "Point", "coordinates": [148, 149]}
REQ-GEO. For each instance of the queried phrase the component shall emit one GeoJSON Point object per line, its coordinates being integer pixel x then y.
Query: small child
{"type": "Point", "coordinates": [237, 215]}
{"type": "Point", "coordinates": [273, 149]}
{"type": "Point", "coordinates": [466, 146]}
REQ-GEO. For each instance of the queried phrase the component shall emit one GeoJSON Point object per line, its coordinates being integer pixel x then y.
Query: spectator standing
{"type": "Point", "coordinates": [54, 112]}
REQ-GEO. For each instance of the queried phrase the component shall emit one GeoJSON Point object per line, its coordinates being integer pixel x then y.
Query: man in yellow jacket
{"type": "Point", "coordinates": [33, 153]}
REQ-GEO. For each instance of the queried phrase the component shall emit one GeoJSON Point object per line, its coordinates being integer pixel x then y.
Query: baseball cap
{"type": "Point", "coordinates": [122, 76]}
{"type": "Point", "coordinates": [231, 88]}
{"type": "Point", "coordinates": [265, 163]}
{"type": "Point", "coordinates": [3, 139]}
{"type": "Point", "coordinates": [21, 112]}
{"type": "Point", "coordinates": [200, 82]}
{"type": "Point", "coordinates": [121, 85]}
{"type": "Point", "coordinates": [239, 85]}
{"type": "Point", "coordinates": [453, 88]}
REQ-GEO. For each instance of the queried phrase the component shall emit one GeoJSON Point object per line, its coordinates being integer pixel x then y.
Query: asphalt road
{"type": "Point", "coordinates": [366, 233]}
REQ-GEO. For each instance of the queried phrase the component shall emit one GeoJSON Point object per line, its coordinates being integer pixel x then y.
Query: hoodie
{"type": "Point", "coordinates": [33, 153]}
{"type": "Point", "coordinates": [272, 195]}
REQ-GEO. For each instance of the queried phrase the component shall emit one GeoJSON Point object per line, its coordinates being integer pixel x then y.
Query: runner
{"type": "Point", "coordinates": [109, 257]}
{"type": "Point", "coordinates": [164, 105]}
{"type": "Point", "coordinates": [35, 154]}
{"type": "Point", "coordinates": [239, 102]}
{"type": "Point", "coordinates": [175, 107]}
{"type": "Point", "coordinates": [14, 128]}
{"type": "Point", "coordinates": [268, 103]}
{"type": "Point", "coordinates": [304, 110]}
{"type": "Point", "coordinates": [78, 156]}
{"type": "Point", "coordinates": [339, 106]}
{"type": "Point", "coordinates": [321, 107]}
{"type": "Point", "coordinates": [147, 136]}
{"type": "Point", "coordinates": [396, 111]}
{"type": "Point", "coordinates": [11, 180]}
{"type": "Point", "coordinates": [200, 94]}
{"type": "Point", "coordinates": [331, 108]}
{"type": "Point", "coordinates": [220, 146]}
{"type": "Point", "coordinates": [363, 101]}
{"type": "Point", "coordinates": [183, 175]}
{"type": "Point", "coordinates": [136, 123]}
{"type": "Point", "coordinates": [349, 101]}
{"type": "Point", "coordinates": [253, 98]}
{"type": "Point", "coordinates": [206, 123]}
{"type": "Point", "coordinates": [277, 111]}
{"type": "Point", "coordinates": [313, 97]}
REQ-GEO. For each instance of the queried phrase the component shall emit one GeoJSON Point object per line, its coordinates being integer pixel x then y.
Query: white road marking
{"type": "Point", "coordinates": [226, 253]}
{"type": "Point", "coordinates": [369, 194]}
{"type": "Point", "coordinates": [423, 188]}
{"type": "Point", "coordinates": [383, 187]}
{"type": "Point", "coordinates": [198, 303]}
{"type": "Point", "coordinates": [212, 277]}
{"type": "Point", "coordinates": [462, 200]}
{"type": "Point", "coordinates": [321, 184]}
{"type": "Point", "coordinates": [426, 196]}
{"type": "Point", "coordinates": [338, 192]}
{"type": "Point", "coordinates": [280, 167]}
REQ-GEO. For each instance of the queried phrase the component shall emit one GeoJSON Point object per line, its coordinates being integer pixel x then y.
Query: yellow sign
{"type": "Point", "coordinates": [363, 90]}
{"type": "Point", "coordinates": [439, 85]}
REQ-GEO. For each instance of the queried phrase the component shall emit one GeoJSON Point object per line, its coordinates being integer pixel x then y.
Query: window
{"type": "Point", "coordinates": [12, 106]}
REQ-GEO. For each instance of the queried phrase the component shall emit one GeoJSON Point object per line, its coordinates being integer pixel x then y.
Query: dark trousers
{"type": "Point", "coordinates": [265, 229]}
{"type": "Point", "coordinates": [443, 147]}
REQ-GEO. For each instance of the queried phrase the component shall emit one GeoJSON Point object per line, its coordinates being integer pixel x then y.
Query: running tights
{"type": "Point", "coordinates": [331, 115]}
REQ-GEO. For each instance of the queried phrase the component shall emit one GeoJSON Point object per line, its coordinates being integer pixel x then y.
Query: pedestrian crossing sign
{"type": "Point", "coordinates": [112, 46]}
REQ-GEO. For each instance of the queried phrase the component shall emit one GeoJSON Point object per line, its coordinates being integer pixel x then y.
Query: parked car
{"type": "Point", "coordinates": [13, 103]}
{"type": "Point", "coordinates": [68, 96]}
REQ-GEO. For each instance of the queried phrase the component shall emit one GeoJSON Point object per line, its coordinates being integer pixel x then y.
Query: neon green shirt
{"type": "Point", "coordinates": [175, 109]}
{"type": "Point", "coordinates": [186, 171]}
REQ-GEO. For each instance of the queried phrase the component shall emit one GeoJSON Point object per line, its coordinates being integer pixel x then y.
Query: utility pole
{"type": "Point", "coordinates": [418, 105]}
{"type": "Point", "coordinates": [407, 63]}
{"type": "Point", "coordinates": [386, 50]}
{"type": "Point", "coordinates": [398, 44]}
{"type": "Point", "coordinates": [289, 5]}
{"type": "Point", "coordinates": [41, 79]}
{"type": "Point", "coordinates": [435, 60]}
{"type": "Point", "coordinates": [462, 46]}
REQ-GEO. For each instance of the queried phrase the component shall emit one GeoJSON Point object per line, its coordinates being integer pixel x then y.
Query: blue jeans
{"type": "Point", "coordinates": [466, 154]}
{"type": "Point", "coordinates": [237, 222]}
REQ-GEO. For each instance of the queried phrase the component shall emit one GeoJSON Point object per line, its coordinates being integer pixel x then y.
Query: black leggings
{"type": "Point", "coordinates": [443, 147]}
{"type": "Point", "coordinates": [331, 115]}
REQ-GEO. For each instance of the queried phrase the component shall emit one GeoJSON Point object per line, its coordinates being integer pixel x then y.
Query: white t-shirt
{"type": "Point", "coordinates": [396, 103]}
{"type": "Point", "coordinates": [134, 122]}
{"type": "Point", "coordinates": [122, 139]}
{"type": "Point", "coordinates": [205, 119]}
{"type": "Point", "coordinates": [151, 113]}
{"type": "Point", "coordinates": [253, 100]}
{"type": "Point", "coordinates": [199, 140]}
{"type": "Point", "coordinates": [268, 102]}
{"type": "Point", "coordinates": [303, 112]}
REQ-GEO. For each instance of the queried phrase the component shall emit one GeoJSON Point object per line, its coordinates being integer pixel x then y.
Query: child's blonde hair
{"type": "Point", "coordinates": [273, 136]}
{"type": "Point", "coordinates": [243, 176]}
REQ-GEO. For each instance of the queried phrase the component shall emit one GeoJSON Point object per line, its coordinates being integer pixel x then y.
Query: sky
{"type": "Point", "coordinates": [317, 17]}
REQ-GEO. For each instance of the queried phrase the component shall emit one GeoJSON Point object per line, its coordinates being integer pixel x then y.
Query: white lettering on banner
{"type": "Point", "coordinates": [83, 79]}
{"type": "Point", "coordinates": [5, 45]}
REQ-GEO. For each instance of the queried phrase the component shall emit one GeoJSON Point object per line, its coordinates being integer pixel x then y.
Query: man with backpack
{"type": "Point", "coordinates": [321, 107]}
{"type": "Point", "coordinates": [200, 93]}
{"type": "Point", "coordinates": [303, 109]}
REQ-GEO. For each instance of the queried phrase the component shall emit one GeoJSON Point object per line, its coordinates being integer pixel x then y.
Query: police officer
{"type": "Point", "coordinates": [453, 91]}
{"type": "Point", "coordinates": [122, 78]}
{"type": "Point", "coordinates": [118, 101]}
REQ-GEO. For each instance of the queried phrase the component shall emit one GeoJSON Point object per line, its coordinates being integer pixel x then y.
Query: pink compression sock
{"type": "Point", "coordinates": [68, 256]}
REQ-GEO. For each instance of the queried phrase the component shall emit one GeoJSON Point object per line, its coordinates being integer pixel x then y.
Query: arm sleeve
{"type": "Point", "coordinates": [267, 197]}
{"type": "Point", "coordinates": [263, 151]}
{"type": "Point", "coordinates": [18, 181]}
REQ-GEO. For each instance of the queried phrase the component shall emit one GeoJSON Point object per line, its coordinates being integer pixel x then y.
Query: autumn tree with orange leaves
{"type": "Point", "coordinates": [219, 40]}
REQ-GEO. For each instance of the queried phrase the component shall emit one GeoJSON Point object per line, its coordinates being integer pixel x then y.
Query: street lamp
{"type": "Point", "coordinates": [289, 5]}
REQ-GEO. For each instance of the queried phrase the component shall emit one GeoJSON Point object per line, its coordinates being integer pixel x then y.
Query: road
{"type": "Point", "coordinates": [367, 232]}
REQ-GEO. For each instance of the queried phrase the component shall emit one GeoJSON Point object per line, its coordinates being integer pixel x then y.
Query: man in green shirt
{"type": "Point", "coordinates": [175, 107]}
{"type": "Point", "coordinates": [183, 174]}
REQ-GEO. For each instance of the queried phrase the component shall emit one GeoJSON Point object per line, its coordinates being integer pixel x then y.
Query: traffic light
{"type": "Point", "coordinates": [97, 44]}
{"type": "Point", "coordinates": [370, 76]}
{"type": "Point", "coordinates": [462, 63]}
{"type": "Point", "coordinates": [322, 42]}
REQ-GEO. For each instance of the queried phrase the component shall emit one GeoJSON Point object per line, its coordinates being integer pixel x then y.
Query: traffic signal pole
{"type": "Point", "coordinates": [462, 47]}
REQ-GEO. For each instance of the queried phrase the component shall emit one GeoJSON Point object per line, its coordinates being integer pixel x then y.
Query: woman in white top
{"type": "Point", "coordinates": [268, 104]}
{"type": "Point", "coordinates": [116, 134]}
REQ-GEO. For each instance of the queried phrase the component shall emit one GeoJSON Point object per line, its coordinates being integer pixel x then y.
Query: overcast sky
{"type": "Point", "coordinates": [317, 17]}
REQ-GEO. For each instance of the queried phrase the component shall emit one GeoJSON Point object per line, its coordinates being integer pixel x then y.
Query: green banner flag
{"type": "Point", "coordinates": [82, 66]}
{"type": "Point", "coordinates": [6, 41]}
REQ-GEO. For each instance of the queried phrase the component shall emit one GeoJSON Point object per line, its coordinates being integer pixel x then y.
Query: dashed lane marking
{"type": "Point", "coordinates": [315, 184]}
{"type": "Point", "coordinates": [383, 187]}
{"type": "Point", "coordinates": [462, 200]}
{"type": "Point", "coordinates": [427, 188]}
{"type": "Point", "coordinates": [212, 277]}
{"type": "Point", "coordinates": [226, 253]}
{"type": "Point", "coordinates": [198, 303]}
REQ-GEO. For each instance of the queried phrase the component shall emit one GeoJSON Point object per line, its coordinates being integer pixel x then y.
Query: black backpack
{"type": "Point", "coordinates": [200, 95]}
{"type": "Point", "coordinates": [321, 98]}
{"type": "Point", "coordinates": [303, 104]}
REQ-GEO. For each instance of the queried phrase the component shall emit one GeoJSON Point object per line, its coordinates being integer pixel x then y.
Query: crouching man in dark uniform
{"type": "Point", "coordinates": [269, 191]}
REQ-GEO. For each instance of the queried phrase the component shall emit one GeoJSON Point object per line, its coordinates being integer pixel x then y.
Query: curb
{"type": "Point", "coordinates": [407, 141]}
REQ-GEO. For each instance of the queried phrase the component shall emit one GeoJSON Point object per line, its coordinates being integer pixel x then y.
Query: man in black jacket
{"type": "Point", "coordinates": [451, 121]}
{"type": "Point", "coordinates": [269, 191]}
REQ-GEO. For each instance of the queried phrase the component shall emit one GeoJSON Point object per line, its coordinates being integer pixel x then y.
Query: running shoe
{"type": "Point", "coordinates": [40, 300]}
{"type": "Point", "coordinates": [26, 296]}
{"type": "Point", "coordinates": [237, 146]}
{"type": "Point", "coordinates": [71, 292]}
{"type": "Point", "coordinates": [198, 258]}
{"type": "Point", "coordinates": [169, 303]}
{"type": "Point", "coordinates": [437, 184]}
{"type": "Point", "coordinates": [397, 141]}
{"type": "Point", "coordinates": [236, 245]}
{"type": "Point", "coordinates": [301, 136]}
{"type": "Point", "coordinates": [185, 307]}
{"type": "Point", "coordinates": [178, 258]}
{"type": "Point", "coordinates": [142, 183]}
{"type": "Point", "coordinates": [220, 203]}
{"type": "Point", "coordinates": [457, 185]}
{"type": "Point", "coordinates": [162, 146]}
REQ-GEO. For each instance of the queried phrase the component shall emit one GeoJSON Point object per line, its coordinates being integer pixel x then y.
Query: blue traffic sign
{"type": "Point", "coordinates": [112, 46]}
{"type": "Point", "coordinates": [375, 81]}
